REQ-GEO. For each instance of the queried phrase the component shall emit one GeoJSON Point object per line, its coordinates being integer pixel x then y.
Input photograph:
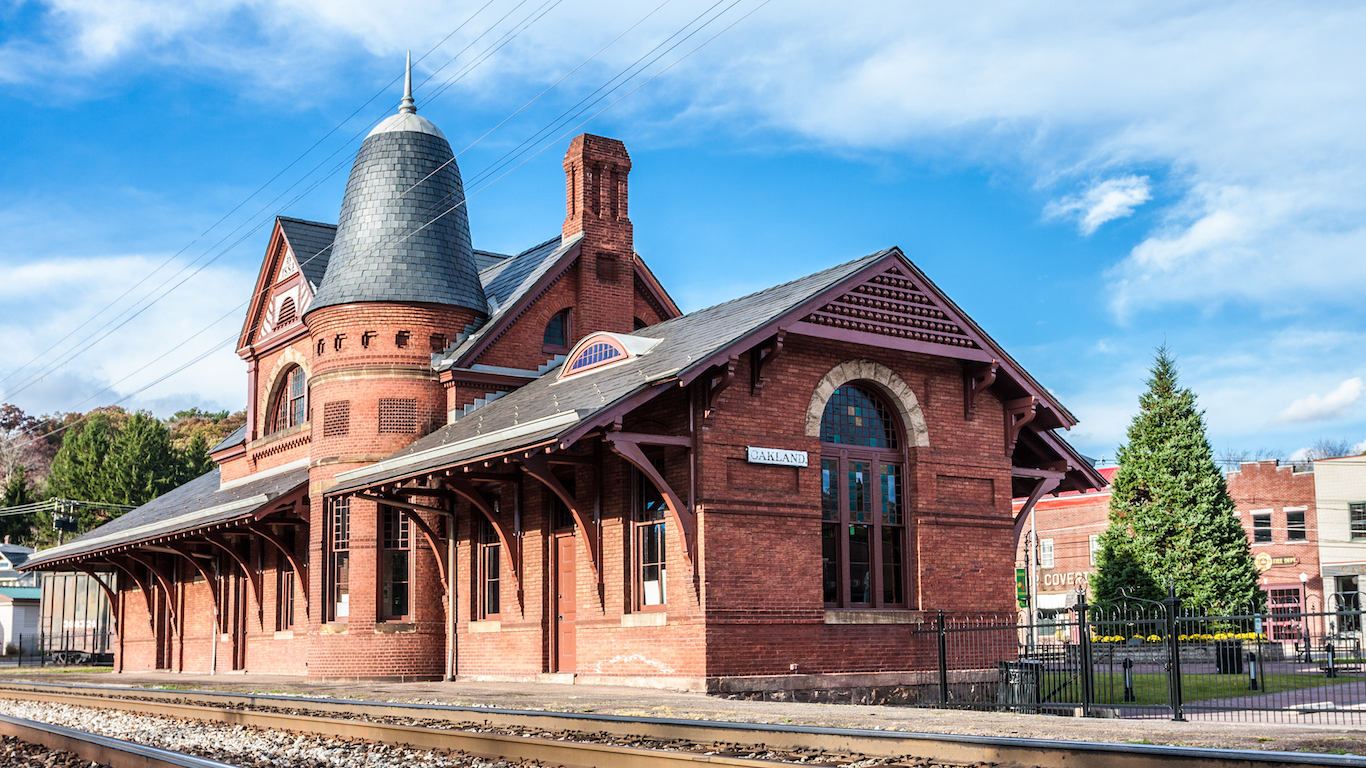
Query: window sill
{"type": "Point", "coordinates": [395, 628]}
{"type": "Point", "coordinates": [645, 619]}
{"type": "Point", "coordinates": [486, 625]}
{"type": "Point", "coordinates": [875, 617]}
{"type": "Point", "coordinates": [300, 428]}
{"type": "Point", "coordinates": [335, 628]}
{"type": "Point", "coordinates": [284, 634]}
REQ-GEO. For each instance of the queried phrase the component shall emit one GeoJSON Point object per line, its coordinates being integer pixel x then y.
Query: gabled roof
{"type": "Point", "coordinates": [551, 409]}
{"type": "Point", "coordinates": [509, 284]}
{"type": "Point", "coordinates": [196, 504]}
{"type": "Point", "coordinates": [311, 242]}
{"type": "Point", "coordinates": [685, 341]}
{"type": "Point", "coordinates": [485, 259]}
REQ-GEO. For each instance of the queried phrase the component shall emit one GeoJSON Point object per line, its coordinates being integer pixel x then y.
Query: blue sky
{"type": "Point", "coordinates": [1087, 182]}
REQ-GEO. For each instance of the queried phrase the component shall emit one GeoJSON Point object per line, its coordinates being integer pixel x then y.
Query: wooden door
{"type": "Point", "coordinates": [565, 598]}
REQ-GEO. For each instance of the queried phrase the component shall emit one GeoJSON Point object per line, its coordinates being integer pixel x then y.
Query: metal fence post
{"type": "Point", "coordinates": [943, 637]}
{"type": "Point", "coordinates": [1172, 604]}
{"type": "Point", "coordinates": [1088, 682]}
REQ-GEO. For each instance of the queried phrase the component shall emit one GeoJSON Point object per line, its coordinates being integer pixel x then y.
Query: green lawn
{"type": "Point", "coordinates": [1150, 688]}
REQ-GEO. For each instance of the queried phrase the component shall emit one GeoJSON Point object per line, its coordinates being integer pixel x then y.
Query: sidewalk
{"type": "Point", "coordinates": [642, 702]}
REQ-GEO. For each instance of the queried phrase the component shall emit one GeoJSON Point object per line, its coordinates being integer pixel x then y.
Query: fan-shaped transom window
{"type": "Point", "coordinates": [863, 503]}
{"type": "Point", "coordinates": [853, 416]}
{"type": "Point", "coordinates": [290, 401]}
{"type": "Point", "coordinates": [596, 354]}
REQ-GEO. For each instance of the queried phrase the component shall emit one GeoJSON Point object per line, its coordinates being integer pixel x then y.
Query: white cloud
{"type": "Point", "coordinates": [1104, 201]}
{"type": "Point", "coordinates": [1255, 112]}
{"type": "Point", "coordinates": [1321, 408]}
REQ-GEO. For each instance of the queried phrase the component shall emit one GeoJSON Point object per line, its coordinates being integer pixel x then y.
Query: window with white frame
{"type": "Point", "coordinates": [1095, 547]}
{"type": "Point", "coordinates": [1046, 553]}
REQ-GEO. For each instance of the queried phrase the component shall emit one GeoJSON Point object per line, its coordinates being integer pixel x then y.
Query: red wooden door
{"type": "Point", "coordinates": [564, 603]}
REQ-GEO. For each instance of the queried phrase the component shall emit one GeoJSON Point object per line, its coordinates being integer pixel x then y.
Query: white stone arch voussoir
{"type": "Point", "coordinates": [289, 357]}
{"type": "Point", "coordinates": [882, 378]}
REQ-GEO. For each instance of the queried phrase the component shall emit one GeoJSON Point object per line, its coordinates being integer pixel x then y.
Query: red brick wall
{"type": "Point", "coordinates": [1265, 485]}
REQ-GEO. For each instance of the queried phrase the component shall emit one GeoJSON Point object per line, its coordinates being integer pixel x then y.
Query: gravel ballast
{"type": "Point", "coordinates": [21, 754]}
{"type": "Point", "coordinates": [234, 744]}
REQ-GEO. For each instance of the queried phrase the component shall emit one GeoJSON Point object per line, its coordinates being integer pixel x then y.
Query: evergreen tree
{"type": "Point", "coordinates": [141, 466]}
{"type": "Point", "coordinates": [195, 459]}
{"type": "Point", "coordinates": [18, 527]}
{"type": "Point", "coordinates": [1171, 518]}
{"type": "Point", "coordinates": [78, 468]}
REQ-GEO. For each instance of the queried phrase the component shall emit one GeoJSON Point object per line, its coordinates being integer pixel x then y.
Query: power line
{"type": "Point", "coordinates": [33, 378]}
{"type": "Point", "coordinates": [491, 169]}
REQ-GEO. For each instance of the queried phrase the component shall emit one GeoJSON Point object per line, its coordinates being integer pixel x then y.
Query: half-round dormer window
{"type": "Point", "coordinates": [603, 349]}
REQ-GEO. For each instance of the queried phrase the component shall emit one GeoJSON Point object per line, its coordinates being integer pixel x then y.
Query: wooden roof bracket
{"type": "Point", "coordinates": [109, 593]}
{"type": "Point", "coordinates": [627, 446]}
{"type": "Point", "coordinates": [717, 381]}
{"type": "Point", "coordinates": [252, 576]}
{"type": "Point", "coordinates": [146, 592]}
{"type": "Point", "coordinates": [165, 585]}
{"type": "Point", "coordinates": [299, 567]}
{"type": "Point", "coordinates": [538, 467]}
{"type": "Point", "coordinates": [1018, 413]}
{"type": "Point", "coordinates": [761, 357]}
{"type": "Point", "coordinates": [1047, 481]}
{"type": "Point", "coordinates": [426, 530]}
{"type": "Point", "coordinates": [977, 377]}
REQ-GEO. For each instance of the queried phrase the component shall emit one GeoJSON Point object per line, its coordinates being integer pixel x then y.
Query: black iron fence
{"type": "Point", "coordinates": [71, 647]}
{"type": "Point", "coordinates": [1156, 660]}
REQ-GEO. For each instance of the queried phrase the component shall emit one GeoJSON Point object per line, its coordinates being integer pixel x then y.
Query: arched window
{"type": "Point", "coordinates": [593, 355]}
{"type": "Point", "coordinates": [863, 503]}
{"type": "Point", "coordinates": [557, 333]}
{"type": "Point", "coordinates": [290, 401]}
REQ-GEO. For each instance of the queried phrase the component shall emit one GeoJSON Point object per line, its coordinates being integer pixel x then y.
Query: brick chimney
{"type": "Point", "coordinates": [595, 171]}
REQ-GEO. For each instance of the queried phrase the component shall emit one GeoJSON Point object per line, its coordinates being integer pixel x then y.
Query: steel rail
{"type": "Point", "coordinates": [570, 754]}
{"type": "Point", "coordinates": [100, 750]}
{"type": "Point", "coordinates": [948, 748]}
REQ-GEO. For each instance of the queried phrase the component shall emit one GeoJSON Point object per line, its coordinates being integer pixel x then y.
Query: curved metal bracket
{"type": "Point", "coordinates": [165, 585]}
{"type": "Point", "coordinates": [761, 357]}
{"type": "Point", "coordinates": [717, 382]}
{"type": "Point", "coordinates": [684, 517]}
{"type": "Point", "coordinates": [299, 568]}
{"type": "Point", "coordinates": [427, 532]}
{"type": "Point", "coordinates": [511, 544]}
{"type": "Point", "coordinates": [539, 468]}
{"type": "Point", "coordinates": [144, 588]}
{"type": "Point", "coordinates": [109, 593]}
{"type": "Point", "coordinates": [253, 577]}
{"type": "Point", "coordinates": [209, 578]}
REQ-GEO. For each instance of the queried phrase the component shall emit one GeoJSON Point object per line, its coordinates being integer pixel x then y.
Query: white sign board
{"type": "Point", "coordinates": [777, 456]}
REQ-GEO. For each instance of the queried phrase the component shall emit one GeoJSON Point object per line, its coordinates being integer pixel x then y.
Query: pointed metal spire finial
{"type": "Point", "coordinates": [408, 104]}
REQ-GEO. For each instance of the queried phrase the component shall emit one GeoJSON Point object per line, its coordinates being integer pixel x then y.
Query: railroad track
{"type": "Point", "coordinates": [573, 739]}
{"type": "Point", "coordinates": [101, 750]}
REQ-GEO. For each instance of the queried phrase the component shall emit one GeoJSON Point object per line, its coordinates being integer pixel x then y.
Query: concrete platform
{"type": "Point", "coordinates": [1252, 734]}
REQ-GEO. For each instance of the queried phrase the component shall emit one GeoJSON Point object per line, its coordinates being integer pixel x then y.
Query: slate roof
{"type": "Point", "coordinates": [311, 242]}
{"type": "Point", "coordinates": [237, 437]}
{"type": "Point", "coordinates": [505, 283]}
{"type": "Point", "coordinates": [485, 259]}
{"type": "Point", "coordinates": [198, 503]}
{"type": "Point", "coordinates": [687, 341]}
{"type": "Point", "coordinates": [403, 234]}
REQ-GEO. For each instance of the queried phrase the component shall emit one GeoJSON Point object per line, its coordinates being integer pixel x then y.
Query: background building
{"type": "Point", "coordinates": [1340, 499]}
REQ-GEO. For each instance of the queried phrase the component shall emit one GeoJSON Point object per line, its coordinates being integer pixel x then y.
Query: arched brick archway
{"type": "Point", "coordinates": [289, 358]}
{"type": "Point", "coordinates": [897, 391]}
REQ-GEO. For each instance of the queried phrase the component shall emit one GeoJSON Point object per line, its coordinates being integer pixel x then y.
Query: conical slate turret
{"type": "Point", "coordinates": [403, 234]}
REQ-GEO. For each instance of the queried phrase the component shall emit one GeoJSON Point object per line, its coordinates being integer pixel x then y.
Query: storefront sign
{"type": "Point", "coordinates": [776, 456]}
{"type": "Point", "coordinates": [1022, 587]}
{"type": "Point", "coordinates": [1077, 579]}
{"type": "Point", "coordinates": [1265, 560]}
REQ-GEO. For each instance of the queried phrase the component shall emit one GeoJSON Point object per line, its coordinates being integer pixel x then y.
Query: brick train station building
{"type": "Point", "coordinates": [533, 466]}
